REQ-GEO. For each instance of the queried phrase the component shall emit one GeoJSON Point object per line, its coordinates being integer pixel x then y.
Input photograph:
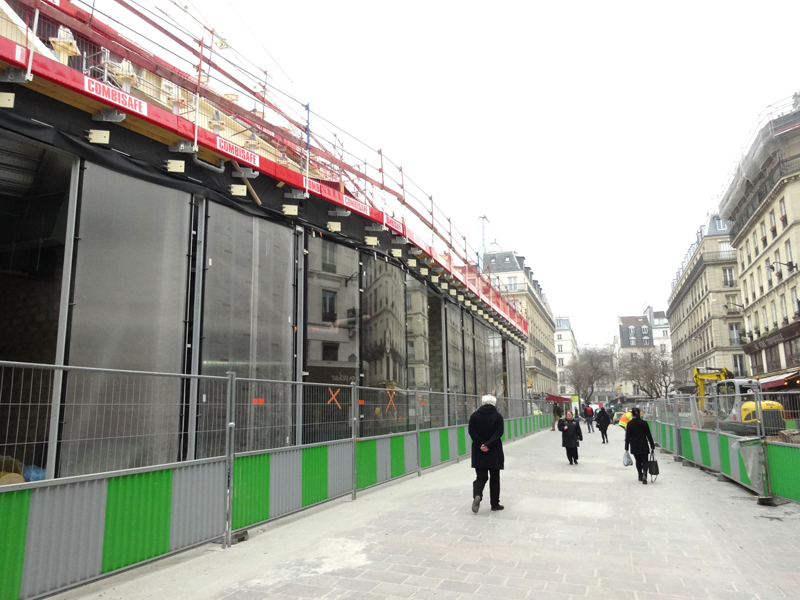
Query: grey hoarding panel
{"type": "Point", "coordinates": [384, 452]}
{"type": "Point", "coordinates": [436, 449]}
{"type": "Point", "coordinates": [198, 504]}
{"type": "Point", "coordinates": [453, 442]}
{"type": "Point", "coordinates": [129, 306]}
{"type": "Point", "coordinates": [340, 468]}
{"type": "Point", "coordinates": [411, 452]}
{"type": "Point", "coordinates": [65, 536]}
{"type": "Point", "coordinates": [713, 450]}
{"type": "Point", "coordinates": [285, 482]}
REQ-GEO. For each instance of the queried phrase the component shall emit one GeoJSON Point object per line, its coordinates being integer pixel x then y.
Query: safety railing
{"type": "Point", "coordinates": [191, 459]}
{"type": "Point", "coordinates": [752, 439]}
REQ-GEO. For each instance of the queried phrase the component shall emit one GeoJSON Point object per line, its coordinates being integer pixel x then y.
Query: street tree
{"type": "Point", "coordinates": [584, 373]}
{"type": "Point", "coordinates": [649, 369]}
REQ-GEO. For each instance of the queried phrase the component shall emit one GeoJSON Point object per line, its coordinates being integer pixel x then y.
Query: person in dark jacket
{"type": "Point", "coordinates": [603, 421]}
{"type": "Point", "coordinates": [640, 441]}
{"type": "Point", "coordinates": [571, 436]}
{"type": "Point", "coordinates": [486, 431]}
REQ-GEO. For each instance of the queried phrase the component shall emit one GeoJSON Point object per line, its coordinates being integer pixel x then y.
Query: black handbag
{"type": "Point", "coordinates": [652, 466]}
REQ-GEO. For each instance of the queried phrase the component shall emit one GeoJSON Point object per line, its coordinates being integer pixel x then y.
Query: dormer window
{"type": "Point", "coordinates": [632, 331]}
{"type": "Point", "coordinates": [645, 329]}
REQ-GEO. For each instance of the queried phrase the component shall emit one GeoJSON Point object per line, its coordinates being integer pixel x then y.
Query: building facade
{"type": "Point", "coordinates": [515, 279]}
{"type": "Point", "coordinates": [762, 205]}
{"type": "Point", "coordinates": [566, 351]}
{"type": "Point", "coordinates": [636, 335]}
{"type": "Point", "coordinates": [705, 307]}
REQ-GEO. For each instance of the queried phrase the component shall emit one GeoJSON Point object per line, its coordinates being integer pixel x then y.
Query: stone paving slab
{"type": "Point", "coordinates": [568, 532]}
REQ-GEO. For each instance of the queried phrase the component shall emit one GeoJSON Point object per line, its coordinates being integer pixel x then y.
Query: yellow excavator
{"type": "Point", "coordinates": [704, 374]}
{"type": "Point", "coordinates": [736, 407]}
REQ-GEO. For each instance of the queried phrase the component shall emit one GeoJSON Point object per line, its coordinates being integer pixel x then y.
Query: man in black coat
{"type": "Point", "coordinates": [486, 431]}
{"type": "Point", "coordinates": [571, 436]}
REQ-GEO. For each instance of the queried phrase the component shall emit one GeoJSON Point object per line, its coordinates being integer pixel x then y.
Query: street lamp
{"type": "Point", "coordinates": [729, 304]}
{"type": "Point", "coordinates": [790, 265]}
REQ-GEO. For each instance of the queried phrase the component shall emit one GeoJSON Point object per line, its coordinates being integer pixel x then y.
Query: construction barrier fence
{"type": "Point", "coordinates": [751, 440]}
{"type": "Point", "coordinates": [60, 532]}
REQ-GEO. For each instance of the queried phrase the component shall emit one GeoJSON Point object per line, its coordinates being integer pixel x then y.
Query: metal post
{"type": "Point", "coordinates": [230, 424]}
{"type": "Point", "coordinates": [199, 276]}
{"type": "Point", "coordinates": [300, 261]}
{"type": "Point", "coordinates": [417, 411]}
{"type": "Point", "coordinates": [28, 76]}
{"type": "Point", "coordinates": [354, 433]}
{"type": "Point", "coordinates": [63, 320]}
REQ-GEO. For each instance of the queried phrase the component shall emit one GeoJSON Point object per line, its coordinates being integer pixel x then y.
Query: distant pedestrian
{"type": "Point", "coordinates": [603, 421]}
{"type": "Point", "coordinates": [486, 431]}
{"type": "Point", "coordinates": [571, 436]}
{"type": "Point", "coordinates": [588, 414]}
{"type": "Point", "coordinates": [556, 415]}
{"type": "Point", "coordinates": [640, 441]}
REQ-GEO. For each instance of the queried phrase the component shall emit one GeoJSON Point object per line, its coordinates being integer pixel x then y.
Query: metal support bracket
{"type": "Point", "coordinates": [246, 173]}
{"type": "Point", "coordinates": [183, 147]}
{"type": "Point", "coordinates": [110, 115]}
{"type": "Point", "coordinates": [13, 75]}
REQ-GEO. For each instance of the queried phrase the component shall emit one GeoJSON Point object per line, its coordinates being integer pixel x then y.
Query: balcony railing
{"type": "Point", "coordinates": [785, 167]}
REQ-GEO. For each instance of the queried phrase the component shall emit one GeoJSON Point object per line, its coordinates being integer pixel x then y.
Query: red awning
{"type": "Point", "coordinates": [559, 399]}
{"type": "Point", "coordinates": [775, 381]}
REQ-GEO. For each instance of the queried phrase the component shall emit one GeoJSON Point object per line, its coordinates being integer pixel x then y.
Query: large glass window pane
{"type": "Point", "coordinates": [332, 331]}
{"type": "Point", "coordinates": [247, 328]}
{"type": "Point", "coordinates": [496, 377]}
{"type": "Point", "coordinates": [129, 306]}
{"type": "Point", "coordinates": [383, 347]}
{"type": "Point", "coordinates": [482, 357]}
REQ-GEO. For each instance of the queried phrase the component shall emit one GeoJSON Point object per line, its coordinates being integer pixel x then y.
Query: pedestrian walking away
{"type": "Point", "coordinates": [486, 431]}
{"type": "Point", "coordinates": [640, 441]}
{"type": "Point", "coordinates": [588, 414]}
{"type": "Point", "coordinates": [603, 421]}
{"type": "Point", "coordinates": [556, 415]}
{"type": "Point", "coordinates": [571, 436]}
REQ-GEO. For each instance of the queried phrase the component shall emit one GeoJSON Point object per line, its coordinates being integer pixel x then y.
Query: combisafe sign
{"type": "Point", "coordinates": [114, 96]}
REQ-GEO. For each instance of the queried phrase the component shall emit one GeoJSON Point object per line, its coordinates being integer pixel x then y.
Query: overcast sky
{"type": "Point", "coordinates": [594, 136]}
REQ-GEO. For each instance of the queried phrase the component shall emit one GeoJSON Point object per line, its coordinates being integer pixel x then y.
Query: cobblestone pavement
{"type": "Point", "coordinates": [568, 532]}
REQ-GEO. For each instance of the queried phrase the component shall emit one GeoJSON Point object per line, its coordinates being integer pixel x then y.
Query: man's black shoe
{"type": "Point", "coordinates": [476, 504]}
{"type": "Point", "coordinates": [498, 507]}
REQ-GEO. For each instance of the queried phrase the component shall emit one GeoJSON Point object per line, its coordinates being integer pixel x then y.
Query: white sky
{"type": "Point", "coordinates": [594, 135]}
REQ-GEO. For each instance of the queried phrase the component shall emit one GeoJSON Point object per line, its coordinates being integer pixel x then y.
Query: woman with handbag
{"type": "Point", "coordinates": [640, 441]}
{"type": "Point", "coordinates": [571, 436]}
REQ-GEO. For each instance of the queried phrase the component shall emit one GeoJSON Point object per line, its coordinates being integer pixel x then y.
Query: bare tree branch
{"type": "Point", "coordinates": [584, 373]}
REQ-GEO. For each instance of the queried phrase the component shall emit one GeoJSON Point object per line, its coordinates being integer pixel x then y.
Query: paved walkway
{"type": "Point", "coordinates": [589, 531]}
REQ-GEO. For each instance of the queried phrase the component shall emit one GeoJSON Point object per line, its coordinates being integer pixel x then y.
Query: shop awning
{"type": "Point", "coordinates": [558, 399]}
{"type": "Point", "coordinates": [776, 380]}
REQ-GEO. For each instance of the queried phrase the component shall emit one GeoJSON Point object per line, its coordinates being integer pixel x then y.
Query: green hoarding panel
{"type": "Point", "coordinates": [462, 441]}
{"type": "Point", "coordinates": [705, 453]}
{"type": "Point", "coordinates": [686, 444]}
{"type": "Point", "coordinates": [250, 490]}
{"type": "Point", "coordinates": [398, 452]}
{"type": "Point", "coordinates": [425, 449]}
{"type": "Point", "coordinates": [791, 423]}
{"type": "Point", "coordinates": [516, 427]}
{"type": "Point", "coordinates": [444, 444]}
{"type": "Point", "coordinates": [366, 463]}
{"type": "Point", "coordinates": [138, 517]}
{"type": "Point", "coordinates": [14, 507]}
{"type": "Point", "coordinates": [724, 455]}
{"type": "Point", "coordinates": [671, 435]}
{"type": "Point", "coordinates": [743, 470]}
{"type": "Point", "coordinates": [784, 471]}
{"type": "Point", "coordinates": [315, 475]}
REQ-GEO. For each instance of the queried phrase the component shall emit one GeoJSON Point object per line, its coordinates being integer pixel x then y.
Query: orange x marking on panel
{"type": "Point", "coordinates": [333, 397]}
{"type": "Point", "coordinates": [391, 401]}
{"type": "Point", "coordinates": [420, 400]}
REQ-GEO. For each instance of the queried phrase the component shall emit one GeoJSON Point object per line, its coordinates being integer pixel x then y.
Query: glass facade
{"type": "Point", "coordinates": [247, 326]}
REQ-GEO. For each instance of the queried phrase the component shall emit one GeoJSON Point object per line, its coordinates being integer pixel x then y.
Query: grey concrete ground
{"type": "Point", "coordinates": [588, 531]}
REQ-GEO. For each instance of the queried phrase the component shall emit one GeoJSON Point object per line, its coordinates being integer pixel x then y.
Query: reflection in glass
{"type": "Point", "coordinates": [331, 352]}
{"type": "Point", "coordinates": [383, 347]}
{"type": "Point", "coordinates": [482, 357]}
